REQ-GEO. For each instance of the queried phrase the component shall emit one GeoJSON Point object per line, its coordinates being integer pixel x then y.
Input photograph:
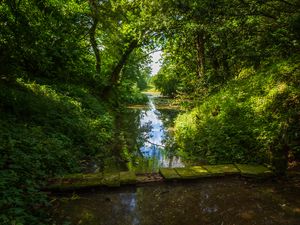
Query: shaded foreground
{"type": "Point", "coordinates": [211, 201]}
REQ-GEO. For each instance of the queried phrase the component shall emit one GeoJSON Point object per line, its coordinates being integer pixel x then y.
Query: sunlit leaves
{"type": "Point", "coordinates": [246, 120]}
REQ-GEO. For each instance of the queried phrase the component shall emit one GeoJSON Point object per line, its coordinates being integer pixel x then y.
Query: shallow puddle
{"type": "Point", "coordinates": [210, 201]}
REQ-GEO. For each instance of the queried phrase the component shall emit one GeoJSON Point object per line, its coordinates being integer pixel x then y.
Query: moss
{"type": "Point", "coordinates": [254, 170]}
{"type": "Point", "coordinates": [169, 173]}
{"type": "Point", "coordinates": [111, 179]}
{"type": "Point", "coordinates": [201, 171]}
{"type": "Point", "coordinates": [72, 176]}
{"type": "Point", "coordinates": [115, 179]}
{"type": "Point", "coordinates": [219, 170]}
{"type": "Point", "coordinates": [186, 173]}
{"type": "Point", "coordinates": [75, 182]}
{"type": "Point", "coordinates": [127, 177]}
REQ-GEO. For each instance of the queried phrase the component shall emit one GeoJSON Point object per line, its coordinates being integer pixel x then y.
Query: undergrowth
{"type": "Point", "coordinates": [45, 131]}
{"type": "Point", "coordinates": [253, 119]}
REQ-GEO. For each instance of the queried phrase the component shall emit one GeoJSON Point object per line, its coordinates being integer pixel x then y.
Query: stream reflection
{"type": "Point", "coordinates": [150, 144]}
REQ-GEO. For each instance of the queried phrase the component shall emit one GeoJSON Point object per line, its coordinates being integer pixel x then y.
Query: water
{"type": "Point", "coordinates": [154, 148]}
{"type": "Point", "coordinates": [143, 142]}
{"type": "Point", "coordinates": [227, 201]}
{"type": "Point", "coordinates": [148, 129]}
{"type": "Point", "coordinates": [147, 144]}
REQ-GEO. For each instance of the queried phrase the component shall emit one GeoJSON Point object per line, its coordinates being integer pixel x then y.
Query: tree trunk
{"type": "Point", "coordinates": [108, 91]}
{"type": "Point", "coordinates": [115, 75]}
{"type": "Point", "coordinates": [93, 41]}
{"type": "Point", "coordinates": [92, 33]}
{"type": "Point", "coordinates": [200, 41]}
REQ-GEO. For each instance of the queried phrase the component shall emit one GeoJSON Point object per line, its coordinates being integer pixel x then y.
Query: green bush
{"type": "Point", "coordinates": [131, 94]}
{"type": "Point", "coordinates": [252, 119]}
{"type": "Point", "coordinates": [45, 131]}
{"type": "Point", "coordinates": [28, 157]}
{"type": "Point", "coordinates": [166, 82]}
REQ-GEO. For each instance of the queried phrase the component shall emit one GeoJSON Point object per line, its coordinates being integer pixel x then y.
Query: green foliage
{"type": "Point", "coordinates": [166, 81]}
{"type": "Point", "coordinates": [45, 131]}
{"type": "Point", "coordinates": [133, 95]}
{"type": "Point", "coordinates": [135, 76]}
{"type": "Point", "coordinates": [206, 43]}
{"type": "Point", "coordinates": [52, 112]}
{"type": "Point", "coordinates": [207, 48]}
{"type": "Point", "coordinates": [60, 59]}
{"type": "Point", "coordinates": [44, 39]}
{"type": "Point", "coordinates": [29, 156]}
{"type": "Point", "coordinates": [254, 118]}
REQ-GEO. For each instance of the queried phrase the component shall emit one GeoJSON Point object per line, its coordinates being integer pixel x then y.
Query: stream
{"type": "Point", "coordinates": [217, 201]}
{"type": "Point", "coordinates": [153, 145]}
{"type": "Point", "coordinates": [144, 141]}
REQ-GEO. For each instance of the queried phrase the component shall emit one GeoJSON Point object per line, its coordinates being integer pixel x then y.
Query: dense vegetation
{"type": "Point", "coordinates": [253, 118]}
{"type": "Point", "coordinates": [68, 66]}
{"type": "Point", "coordinates": [236, 65]}
{"type": "Point", "coordinates": [45, 131]}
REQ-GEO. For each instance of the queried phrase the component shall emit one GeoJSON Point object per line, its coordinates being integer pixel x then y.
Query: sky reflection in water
{"type": "Point", "coordinates": [153, 146]}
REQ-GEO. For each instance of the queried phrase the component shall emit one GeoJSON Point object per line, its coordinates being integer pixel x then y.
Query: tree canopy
{"type": "Point", "coordinates": [67, 67]}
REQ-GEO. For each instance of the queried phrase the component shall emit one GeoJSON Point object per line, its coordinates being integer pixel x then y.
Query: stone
{"type": "Point", "coordinates": [254, 170]}
{"type": "Point", "coordinates": [111, 179]}
{"type": "Point", "coordinates": [186, 173]}
{"type": "Point", "coordinates": [201, 171]}
{"type": "Point", "coordinates": [75, 182]}
{"type": "Point", "coordinates": [221, 170]}
{"type": "Point", "coordinates": [127, 177]}
{"type": "Point", "coordinates": [148, 178]}
{"type": "Point", "coordinates": [73, 176]}
{"type": "Point", "coordinates": [169, 173]}
{"type": "Point", "coordinates": [93, 179]}
{"type": "Point", "coordinates": [116, 178]}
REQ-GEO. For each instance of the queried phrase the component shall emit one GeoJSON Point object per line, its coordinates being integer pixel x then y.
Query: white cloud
{"type": "Point", "coordinates": [155, 64]}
